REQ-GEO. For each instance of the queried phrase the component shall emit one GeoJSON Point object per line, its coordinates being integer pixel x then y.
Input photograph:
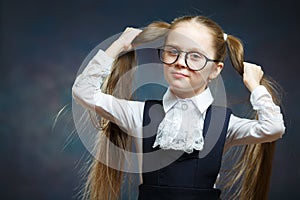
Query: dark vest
{"type": "Point", "coordinates": [179, 175]}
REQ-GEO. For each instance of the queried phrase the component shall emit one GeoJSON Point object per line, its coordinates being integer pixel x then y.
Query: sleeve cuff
{"type": "Point", "coordinates": [258, 92]}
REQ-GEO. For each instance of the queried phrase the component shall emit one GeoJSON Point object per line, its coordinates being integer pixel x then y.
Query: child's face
{"type": "Point", "coordinates": [183, 82]}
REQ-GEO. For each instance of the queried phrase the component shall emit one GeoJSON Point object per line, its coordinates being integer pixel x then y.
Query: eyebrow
{"type": "Point", "coordinates": [194, 49]}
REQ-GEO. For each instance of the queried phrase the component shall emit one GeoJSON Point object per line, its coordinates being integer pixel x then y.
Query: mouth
{"type": "Point", "coordinates": [179, 75]}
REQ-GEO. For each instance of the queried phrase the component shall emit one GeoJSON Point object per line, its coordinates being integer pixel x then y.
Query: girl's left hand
{"type": "Point", "coordinates": [252, 75]}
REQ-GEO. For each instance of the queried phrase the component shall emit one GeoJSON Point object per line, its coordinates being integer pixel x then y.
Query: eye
{"type": "Point", "coordinates": [170, 51]}
{"type": "Point", "coordinates": [195, 56]}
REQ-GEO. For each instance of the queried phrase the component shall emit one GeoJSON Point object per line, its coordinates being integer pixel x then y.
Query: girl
{"type": "Point", "coordinates": [185, 129]}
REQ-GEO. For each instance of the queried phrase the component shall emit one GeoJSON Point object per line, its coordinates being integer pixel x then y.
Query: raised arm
{"type": "Point", "coordinates": [269, 126]}
{"type": "Point", "coordinates": [87, 86]}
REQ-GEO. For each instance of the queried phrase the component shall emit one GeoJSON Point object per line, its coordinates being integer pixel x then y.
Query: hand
{"type": "Point", "coordinates": [252, 75]}
{"type": "Point", "coordinates": [123, 43]}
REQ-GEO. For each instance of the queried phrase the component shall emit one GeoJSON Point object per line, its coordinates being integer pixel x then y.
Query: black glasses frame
{"type": "Point", "coordinates": [159, 50]}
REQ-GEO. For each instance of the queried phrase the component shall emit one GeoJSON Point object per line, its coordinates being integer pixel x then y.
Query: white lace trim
{"type": "Point", "coordinates": [181, 129]}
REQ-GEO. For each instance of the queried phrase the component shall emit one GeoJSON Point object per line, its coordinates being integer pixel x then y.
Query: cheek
{"type": "Point", "coordinates": [205, 73]}
{"type": "Point", "coordinates": [200, 77]}
{"type": "Point", "coordinates": [166, 72]}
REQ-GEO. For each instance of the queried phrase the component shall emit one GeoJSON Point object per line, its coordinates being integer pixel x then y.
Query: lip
{"type": "Point", "coordinates": [179, 75]}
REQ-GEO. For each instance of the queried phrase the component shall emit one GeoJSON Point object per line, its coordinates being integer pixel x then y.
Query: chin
{"type": "Point", "coordinates": [181, 90]}
{"type": "Point", "coordinates": [186, 92]}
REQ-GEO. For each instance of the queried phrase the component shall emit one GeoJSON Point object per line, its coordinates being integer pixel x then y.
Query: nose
{"type": "Point", "coordinates": [181, 61]}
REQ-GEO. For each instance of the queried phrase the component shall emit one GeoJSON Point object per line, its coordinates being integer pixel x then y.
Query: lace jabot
{"type": "Point", "coordinates": [182, 126]}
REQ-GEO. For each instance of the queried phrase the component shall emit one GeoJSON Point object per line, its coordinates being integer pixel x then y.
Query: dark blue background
{"type": "Point", "coordinates": [43, 44]}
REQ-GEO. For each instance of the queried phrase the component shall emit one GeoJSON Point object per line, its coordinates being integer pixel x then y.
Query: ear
{"type": "Point", "coordinates": [216, 70]}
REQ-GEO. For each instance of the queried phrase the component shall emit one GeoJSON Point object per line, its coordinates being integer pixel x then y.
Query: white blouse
{"type": "Point", "coordinates": [176, 131]}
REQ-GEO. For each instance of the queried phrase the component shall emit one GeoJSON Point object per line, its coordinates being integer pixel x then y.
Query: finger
{"type": "Point", "coordinates": [131, 29]}
{"type": "Point", "coordinates": [251, 65]}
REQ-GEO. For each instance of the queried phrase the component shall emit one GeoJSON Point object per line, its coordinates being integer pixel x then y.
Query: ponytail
{"type": "Point", "coordinates": [104, 182]}
{"type": "Point", "coordinates": [250, 178]}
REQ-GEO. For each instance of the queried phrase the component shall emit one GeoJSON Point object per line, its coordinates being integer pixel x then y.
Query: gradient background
{"type": "Point", "coordinates": [43, 44]}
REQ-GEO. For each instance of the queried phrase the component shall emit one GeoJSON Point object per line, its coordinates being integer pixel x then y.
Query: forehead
{"type": "Point", "coordinates": [191, 36]}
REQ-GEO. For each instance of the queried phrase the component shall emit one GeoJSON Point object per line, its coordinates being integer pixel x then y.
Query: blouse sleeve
{"type": "Point", "coordinates": [269, 126]}
{"type": "Point", "coordinates": [86, 91]}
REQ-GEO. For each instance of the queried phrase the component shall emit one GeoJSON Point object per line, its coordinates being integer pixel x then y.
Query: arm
{"type": "Point", "coordinates": [87, 92]}
{"type": "Point", "coordinates": [269, 126]}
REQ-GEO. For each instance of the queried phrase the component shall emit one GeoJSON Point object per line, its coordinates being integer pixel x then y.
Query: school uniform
{"type": "Point", "coordinates": [173, 173]}
{"type": "Point", "coordinates": [188, 177]}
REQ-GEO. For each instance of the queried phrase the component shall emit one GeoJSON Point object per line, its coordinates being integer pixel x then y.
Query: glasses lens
{"type": "Point", "coordinates": [168, 55]}
{"type": "Point", "coordinates": [195, 60]}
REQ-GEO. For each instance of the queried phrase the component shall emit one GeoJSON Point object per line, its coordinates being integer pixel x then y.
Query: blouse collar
{"type": "Point", "coordinates": [202, 101]}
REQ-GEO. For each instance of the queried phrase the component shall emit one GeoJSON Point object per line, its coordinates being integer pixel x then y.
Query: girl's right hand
{"type": "Point", "coordinates": [123, 43]}
{"type": "Point", "coordinates": [252, 75]}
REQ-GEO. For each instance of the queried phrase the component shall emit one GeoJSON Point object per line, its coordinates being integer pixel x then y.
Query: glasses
{"type": "Point", "coordinates": [195, 61]}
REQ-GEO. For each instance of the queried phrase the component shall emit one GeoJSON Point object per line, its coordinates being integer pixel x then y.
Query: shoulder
{"type": "Point", "coordinates": [220, 109]}
{"type": "Point", "coordinates": [153, 109]}
{"type": "Point", "coordinates": [148, 104]}
{"type": "Point", "coordinates": [153, 102]}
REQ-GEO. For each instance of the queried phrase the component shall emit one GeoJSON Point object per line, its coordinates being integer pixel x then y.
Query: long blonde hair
{"type": "Point", "coordinates": [252, 172]}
